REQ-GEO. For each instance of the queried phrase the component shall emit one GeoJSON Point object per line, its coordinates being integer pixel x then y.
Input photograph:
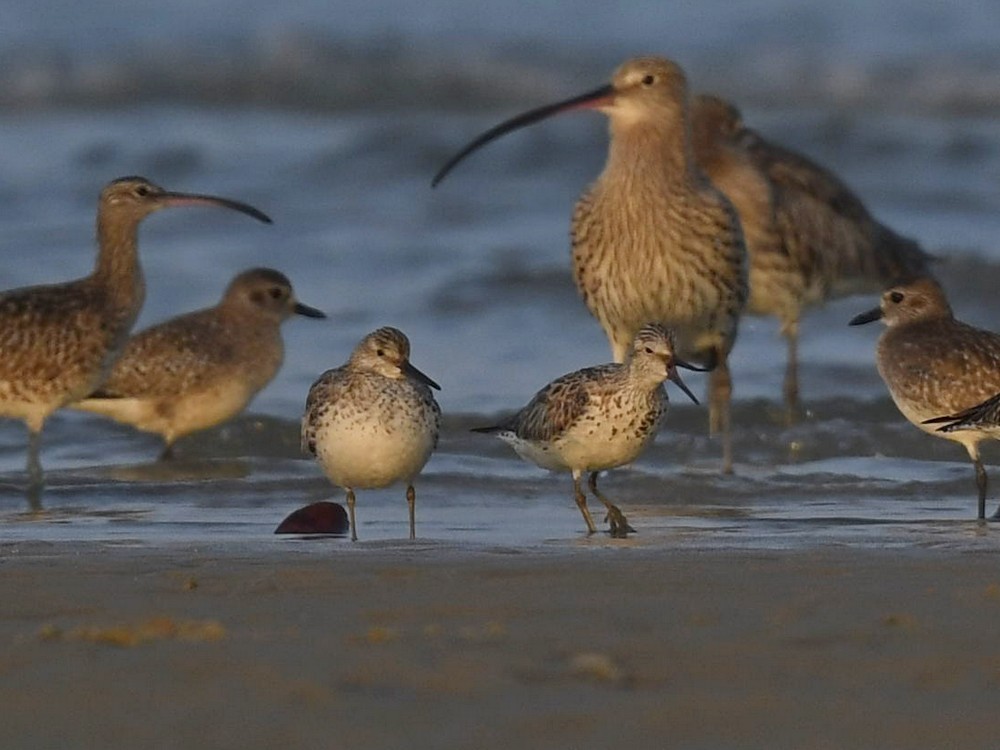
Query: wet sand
{"type": "Point", "coordinates": [432, 645]}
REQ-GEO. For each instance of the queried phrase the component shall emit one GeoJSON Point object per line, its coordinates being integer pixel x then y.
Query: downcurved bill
{"type": "Point", "coordinates": [413, 372]}
{"type": "Point", "coordinates": [591, 100]}
{"type": "Point", "coordinates": [194, 199]}
{"type": "Point", "coordinates": [675, 378]}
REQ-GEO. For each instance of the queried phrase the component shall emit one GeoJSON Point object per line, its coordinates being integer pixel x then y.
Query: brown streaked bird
{"type": "Point", "coordinates": [809, 237]}
{"type": "Point", "coordinates": [373, 422]}
{"type": "Point", "coordinates": [202, 368]}
{"type": "Point", "coordinates": [59, 341]}
{"type": "Point", "coordinates": [652, 239]}
{"type": "Point", "coordinates": [598, 418]}
{"type": "Point", "coordinates": [935, 365]}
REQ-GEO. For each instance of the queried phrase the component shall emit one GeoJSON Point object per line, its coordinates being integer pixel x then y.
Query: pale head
{"type": "Point", "coordinates": [386, 352]}
{"type": "Point", "coordinates": [645, 89]}
{"type": "Point", "coordinates": [130, 199]}
{"type": "Point", "coordinates": [266, 293]}
{"type": "Point", "coordinates": [653, 357]}
{"type": "Point", "coordinates": [918, 300]}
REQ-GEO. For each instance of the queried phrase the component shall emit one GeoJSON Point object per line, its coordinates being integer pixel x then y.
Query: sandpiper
{"type": "Point", "coordinates": [373, 421]}
{"type": "Point", "coordinates": [598, 418]}
{"type": "Point", "coordinates": [59, 341]}
{"type": "Point", "coordinates": [201, 368]}
{"type": "Point", "coordinates": [809, 237]}
{"type": "Point", "coordinates": [652, 239]}
{"type": "Point", "coordinates": [935, 365]}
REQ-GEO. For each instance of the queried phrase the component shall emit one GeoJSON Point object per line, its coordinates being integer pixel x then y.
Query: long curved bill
{"type": "Point", "coordinates": [590, 100]}
{"type": "Point", "coordinates": [412, 371]}
{"type": "Point", "coordinates": [194, 199]}
{"type": "Point", "coordinates": [675, 378]}
{"type": "Point", "coordinates": [309, 312]}
{"type": "Point", "coordinates": [866, 317]}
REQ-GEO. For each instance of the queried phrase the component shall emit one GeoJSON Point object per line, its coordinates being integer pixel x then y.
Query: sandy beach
{"type": "Point", "coordinates": [392, 644]}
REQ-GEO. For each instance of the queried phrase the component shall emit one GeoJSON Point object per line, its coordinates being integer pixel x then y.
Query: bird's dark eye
{"type": "Point", "coordinates": [142, 191]}
{"type": "Point", "coordinates": [649, 350]}
{"type": "Point", "coordinates": [275, 293]}
{"type": "Point", "coordinates": [648, 80]}
{"type": "Point", "coordinates": [896, 297]}
{"type": "Point", "coordinates": [380, 352]}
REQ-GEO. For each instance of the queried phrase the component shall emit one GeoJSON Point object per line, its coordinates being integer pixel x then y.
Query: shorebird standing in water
{"type": "Point", "coordinates": [58, 341]}
{"type": "Point", "coordinates": [201, 368]}
{"type": "Point", "coordinates": [598, 418]}
{"type": "Point", "coordinates": [935, 365]}
{"type": "Point", "coordinates": [809, 237]}
{"type": "Point", "coordinates": [652, 239]}
{"type": "Point", "coordinates": [373, 421]}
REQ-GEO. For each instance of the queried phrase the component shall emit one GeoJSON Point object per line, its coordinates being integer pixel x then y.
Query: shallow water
{"type": "Point", "coordinates": [333, 123]}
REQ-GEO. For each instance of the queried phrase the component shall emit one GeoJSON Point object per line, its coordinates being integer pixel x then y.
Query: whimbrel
{"type": "Point", "coordinates": [598, 418]}
{"type": "Point", "coordinates": [935, 366]}
{"type": "Point", "coordinates": [201, 368]}
{"type": "Point", "coordinates": [809, 237]}
{"type": "Point", "coordinates": [373, 421]}
{"type": "Point", "coordinates": [652, 239]}
{"type": "Point", "coordinates": [58, 341]}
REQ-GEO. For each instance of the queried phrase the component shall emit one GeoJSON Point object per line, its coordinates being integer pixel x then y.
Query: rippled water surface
{"type": "Point", "coordinates": [332, 118]}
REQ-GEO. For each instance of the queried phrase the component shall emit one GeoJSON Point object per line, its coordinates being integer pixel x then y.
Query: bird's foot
{"type": "Point", "coordinates": [619, 527]}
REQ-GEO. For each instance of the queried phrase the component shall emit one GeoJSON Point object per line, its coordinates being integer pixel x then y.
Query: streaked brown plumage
{"type": "Point", "coordinates": [201, 368]}
{"type": "Point", "coordinates": [373, 421]}
{"type": "Point", "coordinates": [809, 237]}
{"type": "Point", "coordinates": [652, 239]}
{"type": "Point", "coordinates": [597, 418]}
{"type": "Point", "coordinates": [58, 341]}
{"type": "Point", "coordinates": [935, 365]}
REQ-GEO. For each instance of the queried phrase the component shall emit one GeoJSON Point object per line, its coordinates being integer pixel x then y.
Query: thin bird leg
{"type": "Point", "coordinates": [616, 519]}
{"type": "Point", "coordinates": [411, 500]}
{"type": "Point", "coordinates": [36, 480]}
{"type": "Point", "coordinates": [581, 503]}
{"type": "Point", "coordinates": [981, 482]}
{"type": "Point", "coordinates": [350, 513]}
{"type": "Point", "coordinates": [167, 454]}
{"type": "Point", "coordinates": [720, 387]}
{"type": "Point", "coordinates": [791, 389]}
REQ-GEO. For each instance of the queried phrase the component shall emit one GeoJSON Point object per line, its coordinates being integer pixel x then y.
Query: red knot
{"type": "Point", "coordinates": [373, 421]}
{"type": "Point", "coordinates": [202, 368]}
{"type": "Point", "coordinates": [935, 366]}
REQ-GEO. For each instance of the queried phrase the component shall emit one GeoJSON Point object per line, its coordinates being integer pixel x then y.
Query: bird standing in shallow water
{"type": "Point", "coordinates": [201, 368]}
{"type": "Point", "coordinates": [374, 421]}
{"type": "Point", "coordinates": [652, 239]}
{"type": "Point", "coordinates": [935, 365]}
{"type": "Point", "coordinates": [809, 237]}
{"type": "Point", "coordinates": [598, 418]}
{"type": "Point", "coordinates": [58, 341]}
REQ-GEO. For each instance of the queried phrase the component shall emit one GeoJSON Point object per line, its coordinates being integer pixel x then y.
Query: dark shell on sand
{"type": "Point", "coordinates": [317, 518]}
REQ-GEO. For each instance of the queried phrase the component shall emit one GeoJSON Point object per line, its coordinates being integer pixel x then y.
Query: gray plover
{"type": "Point", "coordinates": [598, 418]}
{"type": "Point", "coordinates": [935, 365]}
{"type": "Point", "coordinates": [58, 341]}
{"type": "Point", "coordinates": [652, 239]}
{"type": "Point", "coordinates": [202, 368]}
{"type": "Point", "coordinates": [373, 421]}
{"type": "Point", "coordinates": [809, 237]}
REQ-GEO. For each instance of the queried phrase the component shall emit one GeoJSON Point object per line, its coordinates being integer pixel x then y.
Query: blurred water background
{"type": "Point", "coordinates": [333, 116]}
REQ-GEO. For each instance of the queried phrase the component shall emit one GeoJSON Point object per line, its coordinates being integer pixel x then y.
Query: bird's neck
{"type": "Point", "coordinates": [118, 270]}
{"type": "Point", "coordinates": [651, 152]}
